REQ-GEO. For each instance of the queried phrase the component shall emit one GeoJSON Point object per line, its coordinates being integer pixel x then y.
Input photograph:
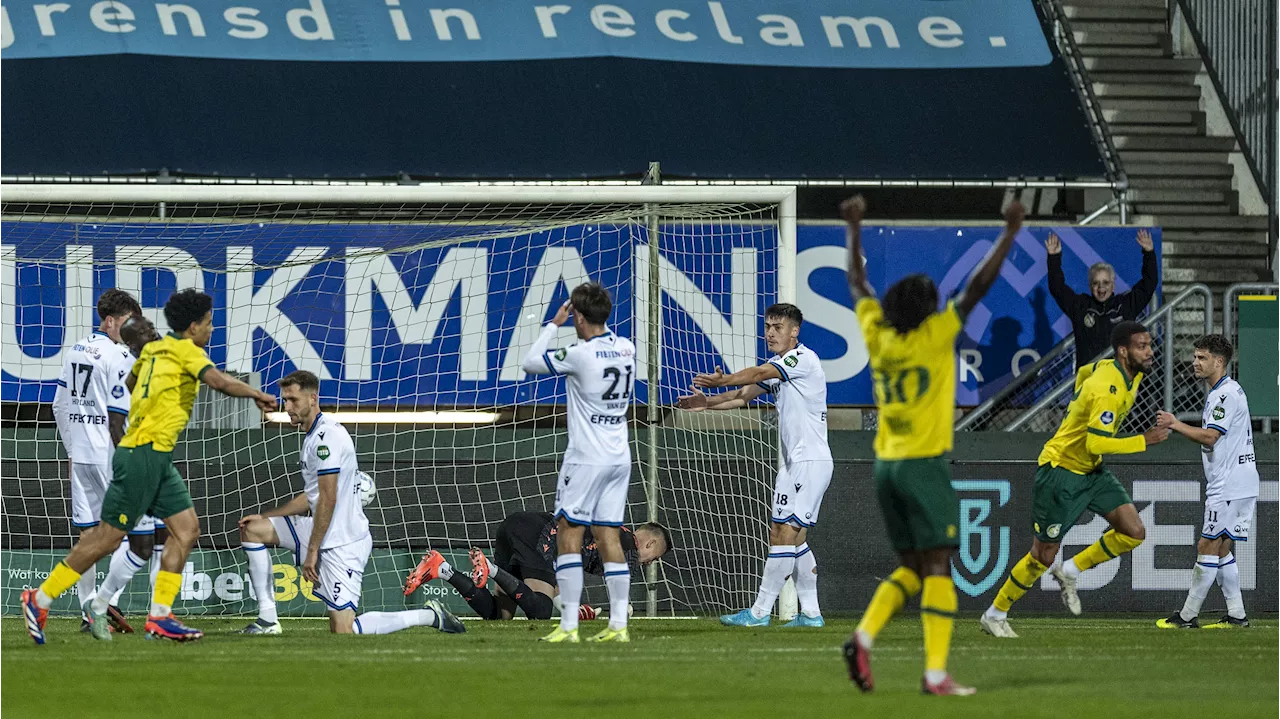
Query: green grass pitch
{"type": "Point", "coordinates": [1077, 668]}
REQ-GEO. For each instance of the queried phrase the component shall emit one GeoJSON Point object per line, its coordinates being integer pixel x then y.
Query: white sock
{"type": "Point", "coordinates": [1070, 569]}
{"type": "Point", "coordinates": [935, 676]}
{"type": "Point", "coordinates": [124, 564]}
{"type": "Point", "coordinates": [261, 576]}
{"type": "Point", "coordinates": [155, 566]}
{"type": "Point", "coordinates": [44, 601]}
{"type": "Point", "coordinates": [446, 571]}
{"type": "Point", "coordinates": [569, 579]}
{"type": "Point", "coordinates": [806, 576]}
{"type": "Point", "coordinates": [1202, 576]}
{"type": "Point", "coordinates": [388, 622]}
{"type": "Point", "coordinates": [87, 585]}
{"type": "Point", "coordinates": [1229, 577]}
{"type": "Point", "coordinates": [617, 578]}
{"type": "Point", "coordinates": [782, 559]}
{"type": "Point", "coordinates": [996, 614]}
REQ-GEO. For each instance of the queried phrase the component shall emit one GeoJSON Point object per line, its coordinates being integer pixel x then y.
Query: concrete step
{"type": "Point", "coordinates": [1216, 263]}
{"type": "Point", "coordinates": [1173, 144]}
{"type": "Point", "coordinates": [1215, 197]}
{"type": "Point", "coordinates": [1120, 25]}
{"type": "Point", "coordinates": [1143, 90]}
{"type": "Point", "coordinates": [1147, 157]}
{"type": "Point", "coordinates": [1173, 183]}
{"type": "Point", "coordinates": [1145, 15]}
{"type": "Point", "coordinates": [1178, 169]}
{"type": "Point", "coordinates": [1154, 117]}
{"type": "Point", "coordinates": [1121, 51]}
{"type": "Point", "coordinates": [1153, 104]}
{"type": "Point", "coordinates": [1115, 36]}
{"type": "Point", "coordinates": [1141, 64]}
{"type": "Point", "coordinates": [1122, 129]}
{"type": "Point", "coordinates": [1175, 208]}
{"type": "Point", "coordinates": [1215, 237]}
{"type": "Point", "coordinates": [1223, 276]}
{"type": "Point", "coordinates": [1144, 4]}
{"type": "Point", "coordinates": [1223, 225]}
{"type": "Point", "coordinates": [1170, 78]}
{"type": "Point", "coordinates": [1174, 248]}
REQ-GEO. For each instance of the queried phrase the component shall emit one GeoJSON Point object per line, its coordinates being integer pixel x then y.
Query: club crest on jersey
{"type": "Point", "coordinates": [562, 353]}
{"type": "Point", "coordinates": [790, 361]}
{"type": "Point", "coordinates": [1089, 321]}
{"type": "Point", "coordinates": [117, 391]}
{"type": "Point", "coordinates": [1107, 417]}
{"type": "Point", "coordinates": [1053, 531]}
{"type": "Point", "coordinates": [1113, 389]}
{"type": "Point", "coordinates": [322, 451]}
{"type": "Point", "coordinates": [1219, 412]}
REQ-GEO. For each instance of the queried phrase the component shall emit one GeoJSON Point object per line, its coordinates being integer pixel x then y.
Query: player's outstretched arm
{"type": "Point", "coordinates": [738, 398]}
{"type": "Point", "coordinates": [232, 387]}
{"type": "Point", "coordinates": [988, 270]}
{"type": "Point", "coordinates": [1202, 435]}
{"type": "Point", "coordinates": [537, 361]}
{"type": "Point", "coordinates": [853, 210]}
{"type": "Point", "coordinates": [748, 377]}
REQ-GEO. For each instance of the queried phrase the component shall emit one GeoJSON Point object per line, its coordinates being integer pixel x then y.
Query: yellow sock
{"type": "Point", "coordinates": [1108, 547]}
{"type": "Point", "coordinates": [892, 593]}
{"type": "Point", "coordinates": [938, 615]}
{"type": "Point", "coordinates": [1022, 577]}
{"type": "Point", "coordinates": [60, 580]}
{"type": "Point", "coordinates": [167, 586]}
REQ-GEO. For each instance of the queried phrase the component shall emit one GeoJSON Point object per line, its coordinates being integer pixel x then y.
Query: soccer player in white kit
{"type": "Point", "coordinates": [91, 408]}
{"type": "Point", "coordinates": [333, 544]}
{"type": "Point", "coordinates": [1231, 485]}
{"type": "Point", "coordinates": [794, 375]}
{"type": "Point", "coordinates": [596, 471]}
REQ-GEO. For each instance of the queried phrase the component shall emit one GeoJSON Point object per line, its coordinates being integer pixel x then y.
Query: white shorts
{"type": "Point", "coordinates": [797, 495]}
{"type": "Point", "coordinates": [593, 494]}
{"type": "Point", "coordinates": [89, 484]}
{"type": "Point", "coordinates": [1228, 518]}
{"type": "Point", "coordinates": [341, 568]}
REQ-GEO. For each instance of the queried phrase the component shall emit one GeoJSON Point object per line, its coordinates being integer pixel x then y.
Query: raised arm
{"type": "Point", "coordinates": [1140, 294]}
{"type": "Point", "coordinates": [986, 273]}
{"type": "Point", "coordinates": [853, 210]}
{"type": "Point", "coordinates": [538, 359]}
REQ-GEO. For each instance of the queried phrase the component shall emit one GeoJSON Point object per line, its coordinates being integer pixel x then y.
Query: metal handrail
{"type": "Point", "coordinates": [1164, 314]}
{"type": "Point", "coordinates": [1074, 62]}
{"type": "Point", "coordinates": [977, 414]}
{"type": "Point", "coordinates": [1228, 311]}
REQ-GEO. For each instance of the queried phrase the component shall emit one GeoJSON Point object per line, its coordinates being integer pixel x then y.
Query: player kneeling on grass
{"type": "Point", "coordinates": [1231, 485]}
{"type": "Point", "coordinates": [1072, 477]}
{"type": "Point", "coordinates": [332, 545]}
{"type": "Point", "coordinates": [524, 566]}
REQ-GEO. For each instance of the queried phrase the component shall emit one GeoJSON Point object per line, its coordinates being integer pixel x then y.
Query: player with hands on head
{"type": "Point", "coordinates": [911, 344]}
{"type": "Point", "coordinates": [595, 475]}
{"type": "Point", "coordinates": [794, 376]}
{"type": "Point", "coordinates": [1231, 485]}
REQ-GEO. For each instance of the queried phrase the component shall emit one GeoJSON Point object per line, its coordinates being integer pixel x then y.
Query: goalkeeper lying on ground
{"type": "Point", "coordinates": [523, 565]}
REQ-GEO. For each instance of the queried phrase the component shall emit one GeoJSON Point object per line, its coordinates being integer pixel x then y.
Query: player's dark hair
{"type": "Point", "coordinates": [662, 532]}
{"type": "Point", "coordinates": [302, 379]}
{"type": "Point", "coordinates": [113, 303]}
{"type": "Point", "coordinates": [591, 302]}
{"type": "Point", "coordinates": [1123, 333]}
{"type": "Point", "coordinates": [1217, 345]}
{"type": "Point", "coordinates": [186, 307]}
{"type": "Point", "coordinates": [785, 311]}
{"type": "Point", "coordinates": [909, 302]}
{"type": "Point", "coordinates": [136, 332]}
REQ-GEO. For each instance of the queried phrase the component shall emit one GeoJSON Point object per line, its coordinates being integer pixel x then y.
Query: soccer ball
{"type": "Point", "coordinates": [365, 487]}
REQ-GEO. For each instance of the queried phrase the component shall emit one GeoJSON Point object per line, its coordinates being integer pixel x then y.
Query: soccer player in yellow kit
{"type": "Point", "coordinates": [164, 382]}
{"type": "Point", "coordinates": [1072, 478]}
{"type": "Point", "coordinates": [913, 369]}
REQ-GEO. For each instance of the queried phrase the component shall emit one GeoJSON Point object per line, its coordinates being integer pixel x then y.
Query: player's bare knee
{"type": "Point", "coordinates": [1137, 531]}
{"type": "Point", "coordinates": [142, 545]}
{"type": "Point", "coordinates": [1044, 553]}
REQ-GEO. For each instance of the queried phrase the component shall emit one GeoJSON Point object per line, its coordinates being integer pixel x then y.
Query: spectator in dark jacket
{"type": "Point", "coordinates": [1093, 315]}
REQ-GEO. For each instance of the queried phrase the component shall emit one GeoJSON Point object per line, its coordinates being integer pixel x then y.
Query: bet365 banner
{"type": "Point", "coordinates": [449, 325]}
{"type": "Point", "coordinates": [802, 33]}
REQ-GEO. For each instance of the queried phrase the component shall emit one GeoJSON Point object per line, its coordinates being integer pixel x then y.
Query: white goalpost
{"type": "Point", "coordinates": [414, 305]}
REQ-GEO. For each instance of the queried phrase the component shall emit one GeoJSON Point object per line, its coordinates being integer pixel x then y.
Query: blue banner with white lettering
{"type": "Point", "coordinates": [796, 33]}
{"type": "Point", "coordinates": [441, 322]}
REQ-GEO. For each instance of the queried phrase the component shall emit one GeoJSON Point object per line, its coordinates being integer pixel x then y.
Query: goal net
{"type": "Point", "coordinates": [415, 306]}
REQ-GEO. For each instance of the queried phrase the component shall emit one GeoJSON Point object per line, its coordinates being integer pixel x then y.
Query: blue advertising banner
{"type": "Point", "coordinates": [796, 33]}
{"type": "Point", "coordinates": [448, 324]}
